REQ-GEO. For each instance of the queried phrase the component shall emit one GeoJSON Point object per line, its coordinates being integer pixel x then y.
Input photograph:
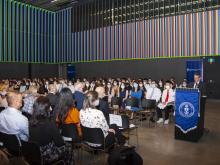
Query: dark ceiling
{"type": "Point", "coordinates": [54, 5]}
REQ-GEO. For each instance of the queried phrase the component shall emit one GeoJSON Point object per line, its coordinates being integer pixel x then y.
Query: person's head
{"type": "Point", "coordinates": [115, 83]}
{"type": "Point", "coordinates": [160, 83]}
{"type": "Point", "coordinates": [101, 91]}
{"type": "Point", "coordinates": [64, 103]}
{"type": "Point", "coordinates": [122, 86]}
{"type": "Point", "coordinates": [91, 100]}
{"type": "Point", "coordinates": [14, 100]}
{"type": "Point", "coordinates": [52, 88]}
{"type": "Point", "coordinates": [109, 85]}
{"type": "Point", "coordinates": [32, 89]}
{"type": "Point", "coordinates": [197, 77]}
{"type": "Point", "coordinates": [135, 85]}
{"type": "Point", "coordinates": [79, 86]}
{"type": "Point", "coordinates": [41, 110]}
{"type": "Point", "coordinates": [168, 84]}
{"type": "Point", "coordinates": [153, 84]}
{"type": "Point", "coordinates": [141, 84]}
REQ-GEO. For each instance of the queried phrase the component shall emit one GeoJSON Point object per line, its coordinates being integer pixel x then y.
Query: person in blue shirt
{"type": "Point", "coordinates": [137, 93]}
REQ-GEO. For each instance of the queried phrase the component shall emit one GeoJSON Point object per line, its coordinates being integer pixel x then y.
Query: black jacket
{"type": "Point", "coordinates": [201, 86]}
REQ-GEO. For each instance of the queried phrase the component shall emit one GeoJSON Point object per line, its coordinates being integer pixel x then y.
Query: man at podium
{"type": "Point", "coordinates": [203, 94]}
{"type": "Point", "coordinates": [198, 84]}
{"type": "Point", "coordinates": [190, 110]}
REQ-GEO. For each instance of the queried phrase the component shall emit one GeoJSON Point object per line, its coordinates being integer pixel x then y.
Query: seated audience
{"type": "Point", "coordinates": [166, 104]}
{"type": "Point", "coordinates": [67, 113]}
{"type": "Point", "coordinates": [11, 119]}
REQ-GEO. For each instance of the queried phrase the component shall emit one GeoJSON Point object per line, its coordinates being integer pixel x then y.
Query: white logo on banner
{"type": "Point", "coordinates": [186, 109]}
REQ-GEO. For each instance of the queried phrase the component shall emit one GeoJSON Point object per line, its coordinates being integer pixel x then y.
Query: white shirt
{"type": "Point", "coordinates": [13, 122]}
{"type": "Point", "coordinates": [93, 118]}
{"type": "Point", "coordinates": [153, 94]}
{"type": "Point", "coordinates": [171, 98]}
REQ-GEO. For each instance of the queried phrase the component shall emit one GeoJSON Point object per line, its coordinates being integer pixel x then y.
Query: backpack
{"type": "Point", "coordinates": [124, 155]}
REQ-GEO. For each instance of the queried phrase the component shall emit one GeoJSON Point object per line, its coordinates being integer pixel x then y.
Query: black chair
{"type": "Point", "coordinates": [11, 143]}
{"type": "Point", "coordinates": [32, 154]}
{"type": "Point", "coordinates": [116, 104]}
{"type": "Point", "coordinates": [149, 108]}
{"type": "Point", "coordinates": [94, 136]}
{"type": "Point", "coordinates": [127, 129]}
{"type": "Point", "coordinates": [70, 135]}
{"type": "Point", "coordinates": [134, 103]}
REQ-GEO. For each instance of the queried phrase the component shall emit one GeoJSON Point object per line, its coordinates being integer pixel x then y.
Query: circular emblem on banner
{"type": "Point", "coordinates": [186, 109]}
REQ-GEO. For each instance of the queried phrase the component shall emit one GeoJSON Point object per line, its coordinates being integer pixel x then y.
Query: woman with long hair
{"type": "Point", "coordinates": [44, 132]}
{"type": "Point", "coordinates": [66, 111]}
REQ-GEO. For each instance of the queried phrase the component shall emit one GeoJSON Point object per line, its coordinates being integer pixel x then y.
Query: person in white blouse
{"type": "Point", "coordinates": [167, 102]}
{"type": "Point", "coordinates": [91, 117]}
{"type": "Point", "coordinates": [153, 93]}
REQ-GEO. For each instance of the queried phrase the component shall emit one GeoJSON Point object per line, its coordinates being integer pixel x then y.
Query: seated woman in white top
{"type": "Point", "coordinates": [93, 118]}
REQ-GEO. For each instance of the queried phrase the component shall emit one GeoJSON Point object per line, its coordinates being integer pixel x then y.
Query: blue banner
{"type": "Point", "coordinates": [70, 71]}
{"type": "Point", "coordinates": [187, 109]}
{"type": "Point", "coordinates": [192, 67]}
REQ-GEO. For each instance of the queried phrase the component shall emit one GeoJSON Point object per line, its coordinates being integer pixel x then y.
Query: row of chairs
{"type": "Point", "coordinates": [145, 108]}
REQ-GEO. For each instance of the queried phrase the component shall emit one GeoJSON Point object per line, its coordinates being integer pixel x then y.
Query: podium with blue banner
{"type": "Point", "coordinates": [189, 119]}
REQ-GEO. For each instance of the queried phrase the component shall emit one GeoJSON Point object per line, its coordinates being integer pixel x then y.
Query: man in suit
{"type": "Point", "coordinates": [198, 84]}
{"type": "Point", "coordinates": [203, 95]}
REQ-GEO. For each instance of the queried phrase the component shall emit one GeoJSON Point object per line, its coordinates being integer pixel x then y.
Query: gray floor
{"type": "Point", "coordinates": [157, 145]}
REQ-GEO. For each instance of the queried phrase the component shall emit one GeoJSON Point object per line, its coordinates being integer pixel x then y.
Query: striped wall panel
{"type": "Point", "coordinates": [27, 33]}
{"type": "Point", "coordinates": [189, 35]}
{"type": "Point", "coordinates": [30, 34]}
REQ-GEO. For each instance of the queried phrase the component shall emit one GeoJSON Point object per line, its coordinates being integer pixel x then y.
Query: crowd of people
{"type": "Point", "coordinates": [34, 109]}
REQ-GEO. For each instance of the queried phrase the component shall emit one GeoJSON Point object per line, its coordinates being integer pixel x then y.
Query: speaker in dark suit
{"type": "Point", "coordinates": [203, 95]}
